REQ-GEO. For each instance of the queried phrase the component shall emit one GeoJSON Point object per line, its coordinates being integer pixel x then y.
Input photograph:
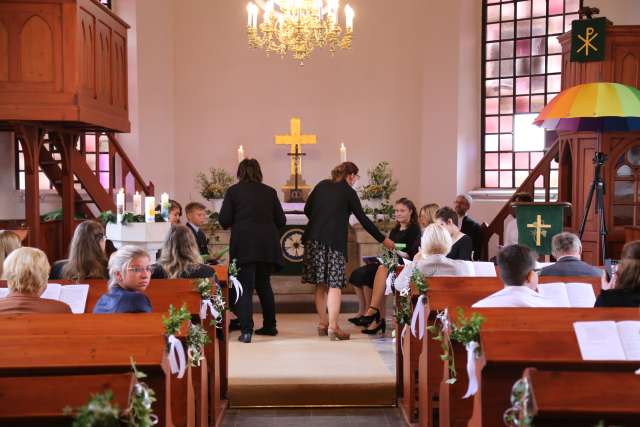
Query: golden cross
{"type": "Point", "coordinates": [589, 36]}
{"type": "Point", "coordinates": [538, 225]}
{"type": "Point", "coordinates": [295, 140]}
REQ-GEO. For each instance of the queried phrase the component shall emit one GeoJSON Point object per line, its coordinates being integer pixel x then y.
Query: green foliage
{"type": "Point", "coordinates": [381, 184]}
{"type": "Point", "coordinates": [140, 412]}
{"type": "Point", "coordinates": [204, 287]}
{"type": "Point", "coordinates": [214, 184]}
{"type": "Point", "coordinates": [438, 333]}
{"type": "Point", "coordinates": [58, 215]}
{"type": "Point", "coordinates": [389, 259]}
{"type": "Point", "coordinates": [233, 268]}
{"type": "Point", "coordinates": [419, 281]}
{"type": "Point", "coordinates": [196, 340]}
{"type": "Point", "coordinates": [176, 318]}
{"type": "Point", "coordinates": [127, 218]}
{"type": "Point", "coordinates": [403, 311]}
{"type": "Point", "coordinates": [106, 217]}
{"type": "Point", "coordinates": [466, 330]}
{"type": "Point", "coordinates": [98, 412]}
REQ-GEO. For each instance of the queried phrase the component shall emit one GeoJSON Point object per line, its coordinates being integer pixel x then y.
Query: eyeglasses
{"type": "Point", "coordinates": [139, 270]}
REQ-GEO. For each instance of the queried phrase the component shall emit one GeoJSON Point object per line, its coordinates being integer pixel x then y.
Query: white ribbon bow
{"type": "Point", "coordinates": [207, 304]}
{"type": "Point", "coordinates": [471, 369]}
{"type": "Point", "coordinates": [238, 287]}
{"type": "Point", "coordinates": [178, 364]}
{"type": "Point", "coordinates": [418, 317]}
{"type": "Point", "coordinates": [390, 279]}
{"type": "Point", "coordinates": [443, 318]}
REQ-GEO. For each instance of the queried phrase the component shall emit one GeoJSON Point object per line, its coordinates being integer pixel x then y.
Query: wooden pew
{"type": "Point", "coordinates": [71, 365]}
{"type": "Point", "coordinates": [424, 366]}
{"type": "Point", "coordinates": [578, 398]}
{"type": "Point", "coordinates": [455, 411]}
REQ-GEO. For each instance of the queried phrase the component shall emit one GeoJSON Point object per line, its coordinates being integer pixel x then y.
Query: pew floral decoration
{"type": "Point", "coordinates": [439, 331]}
{"type": "Point", "coordinates": [172, 325]}
{"type": "Point", "coordinates": [211, 301]}
{"type": "Point", "coordinates": [419, 318]}
{"type": "Point", "coordinates": [389, 260]}
{"type": "Point", "coordinates": [196, 340]}
{"type": "Point", "coordinates": [100, 410]}
{"type": "Point", "coordinates": [520, 414]}
{"type": "Point", "coordinates": [233, 278]}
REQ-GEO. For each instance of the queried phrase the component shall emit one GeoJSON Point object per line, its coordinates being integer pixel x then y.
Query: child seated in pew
{"type": "Point", "coordinates": [624, 288]}
{"type": "Point", "coordinates": [180, 258]}
{"type": "Point", "coordinates": [9, 242]}
{"type": "Point", "coordinates": [517, 264]}
{"type": "Point", "coordinates": [87, 257]}
{"type": "Point", "coordinates": [129, 276]}
{"type": "Point", "coordinates": [26, 271]}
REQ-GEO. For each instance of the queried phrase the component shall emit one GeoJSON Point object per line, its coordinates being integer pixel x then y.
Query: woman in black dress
{"type": "Point", "coordinates": [406, 231]}
{"type": "Point", "coordinates": [254, 213]}
{"type": "Point", "coordinates": [325, 242]}
{"type": "Point", "coordinates": [625, 286]}
{"type": "Point", "coordinates": [462, 244]}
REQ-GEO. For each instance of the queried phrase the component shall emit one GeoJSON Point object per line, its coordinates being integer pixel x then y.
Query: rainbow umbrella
{"type": "Point", "coordinates": [601, 107]}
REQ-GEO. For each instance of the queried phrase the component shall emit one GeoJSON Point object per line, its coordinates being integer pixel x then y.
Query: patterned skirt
{"type": "Point", "coordinates": [323, 265]}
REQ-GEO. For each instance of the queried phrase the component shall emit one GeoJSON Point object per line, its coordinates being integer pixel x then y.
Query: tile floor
{"type": "Point", "coordinates": [314, 417]}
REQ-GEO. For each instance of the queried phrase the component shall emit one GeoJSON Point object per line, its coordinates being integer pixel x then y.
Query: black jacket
{"type": "Point", "coordinates": [473, 230]}
{"type": "Point", "coordinates": [201, 240]}
{"type": "Point", "coordinates": [618, 298]}
{"type": "Point", "coordinates": [328, 209]}
{"type": "Point", "coordinates": [255, 215]}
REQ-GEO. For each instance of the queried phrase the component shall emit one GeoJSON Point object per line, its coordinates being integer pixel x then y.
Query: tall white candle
{"type": "Point", "coordinates": [240, 154]}
{"type": "Point", "coordinates": [120, 205]}
{"type": "Point", "coordinates": [349, 14]}
{"type": "Point", "coordinates": [343, 153]}
{"type": "Point", "coordinates": [137, 204]}
{"type": "Point", "coordinates": [150, 209]}
{"type": "Point", "coordinates": [164, 206]}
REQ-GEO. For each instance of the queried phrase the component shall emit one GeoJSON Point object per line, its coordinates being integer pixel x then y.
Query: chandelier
{"type": "Point", "coordinates": [299, 26]}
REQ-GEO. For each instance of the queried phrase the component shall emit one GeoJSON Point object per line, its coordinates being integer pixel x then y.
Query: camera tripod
{"type": "Point", "coordinates": [597, 187]}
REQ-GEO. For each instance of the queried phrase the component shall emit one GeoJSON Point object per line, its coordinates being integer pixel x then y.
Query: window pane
{"type": "Point", "coordinates": [567, 21]}
{"type": "Point", "coordinates": [493, 32]}
{"type": "Point", "coordinates": [104, 180]}
{"type": "Point", "coordinates": [622, 215]}
{"type": "Point", "coordinates": [21, 184]}
{"type": "Point", "coordinates": [554, 63]}
{"type": "Point", "coordinates": [104, 162]}
{"type": "Point", "coordinates": [491, 143]}
{"type": "Point", "coordinates": [491, 106]}
{"type": "Point", "coordinates": [526, 135]}
{"type": "Point", "coordinates": [507, 11]}
{"type": "Point", "coordinates": [506, 142]}
{"type": "Point", "coordinates": [571, 6]}
{"type": "Point", "coordinates": [90, 143]}
{"type": "Point", "coordinates": [553, 83]}
{"type": "Point", "coordinates": [524, 28]}
{"type": "Point", "coordinates": [522, 161]}
{"type": "Point", "coordinates": [537, 84]}
{"type": "Point", "coordinates": [493, 13]}
{"type": "Point", "coordinates": [522, 104]}
{"type": "Point", "coordinates": [524, 9]}
{"type": "Point", "coordinates": [491, 161]}
{"type": "Point", "coordinates": [523, 47]}
{"type": "Point", "coordinates": [506, 86]}
{"type": "Point", "coordinates": [538, 27]}
{"type": "Point", "coordinates": [491, 179]}
{"type": "Point", "coordinates": [538, 46]}
{"type": "Point", "coordinates": [491, 87]}
{"type": "Point", "coordinates": [624, 170]}
{"type": "Point", "coordinates": [553, 45]}
{"type": "Point", "coordinates": [507, 30]}
{"type": "Point", "coordinates": [623, 192]}
{"type": "Point", "coordinates": [491, 124]}
{"type": "Point", "coordinates": [556, 7]}
{"type": "Point", "coordinates": [493, 68]}
{"type": "Point", "coordinates": [506, 180]}
{"type": "Point", "coordinates": [493, 51]}
{"type": "Point", "coordinates": [506, 49]}
{"type": "Point", "coordinates": [506, 124]}
{"type": "Point", "coordinates": [535, 159]}
{"type": "Point", "coordinates": [104, 144]}
{"type": "Point", "coordinates": [523, 66]}
{"type": "Point", "coordinates": [522, 85]}
{"type": "Point", "coordinates": [520, 177]}
{"type": "Point", "coordinates": [506, 68]}
{"type": "Point", "coordinates": [555, 25]}
{"type": "Point", "coordinates": [553, 179]}
{"type": "Point", "coordinates": [539, 182]}
{"type": "Point", "coordinates": [506, 161]}
{"type": "Point", "coordinates": [91, 161]}
{"type": "Point", "coordinates": [537, 103]}
{"type": "Point", "coordinates": [539, 7]}
{"type": "Point", "coordinates": [506, 105]}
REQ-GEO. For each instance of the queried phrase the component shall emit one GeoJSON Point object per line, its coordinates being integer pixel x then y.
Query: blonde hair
{"type": "Point", "coordinates": [436, 240]}
{"type": "Point", "coordinates": [430, 212]}
{"type": "Point", "coordinates": [9, 242]}
{"type": "Point", "coordinates": [87, 260]}
{"type": "Point", "coordinates": [179, 252]}
{"type": "Point", "coordinates": [120, 260]}
{"type": "Point", "coordinates": [27, 271]}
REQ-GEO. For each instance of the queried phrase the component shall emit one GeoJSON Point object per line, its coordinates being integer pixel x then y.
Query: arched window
{"type": "Point", "coordinates": [521, 73]}
{"type": "Point", "coordinates": [626, 188]}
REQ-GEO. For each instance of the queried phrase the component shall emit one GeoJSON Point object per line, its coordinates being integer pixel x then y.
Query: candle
{"type": "Point", "coordinates": [349, 14]}
{"type": "Point", "coordinates": [268, 9]}
{"type": "Point", "coordinates": [249, 14]}
{"type": "Point", "coordinates": [150, 209]}
{"type": "Point", "coordinates": [120, 205]}
{"type": "Point", "coordinates": [343, 153]}
{"type": "Point", "coordinates": [137, 204]}
{"type": "Point", "coordinates": [164, 206]}
{"type": "Point", "coordinates": [240, 154]}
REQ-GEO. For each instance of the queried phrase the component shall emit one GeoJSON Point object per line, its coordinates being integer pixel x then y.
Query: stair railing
{"type": "Point", "coordinates": [116, 152]}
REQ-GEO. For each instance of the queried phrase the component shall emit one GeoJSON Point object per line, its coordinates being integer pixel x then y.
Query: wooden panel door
{"type": "Point", "coordinates": [584, 148]}
{"type": "Point", "coordinates": [627, 66]}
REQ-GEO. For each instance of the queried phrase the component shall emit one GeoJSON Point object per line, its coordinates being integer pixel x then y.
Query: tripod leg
{"type": "Point", "coordinates": [601, 221]}
{"type": "Point", "coordinates": [587, 208]}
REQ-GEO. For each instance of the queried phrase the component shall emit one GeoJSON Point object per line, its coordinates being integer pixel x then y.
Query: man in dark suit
{"type": "Point", "coordinates": [196, 218]}
{"type": "Point", "coordinates": [566, 248]}
{"type": "Point", "coordinates": [467, 225]}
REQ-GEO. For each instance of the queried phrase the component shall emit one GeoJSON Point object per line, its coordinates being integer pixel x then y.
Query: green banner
{"type": "Point", "coordinates": [537, 224]}
{"type": "Point", "coordinates": [588, 39]}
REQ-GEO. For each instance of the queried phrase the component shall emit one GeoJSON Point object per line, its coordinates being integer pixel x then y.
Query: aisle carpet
{"type": "Point", "coordinates": [298, 368]}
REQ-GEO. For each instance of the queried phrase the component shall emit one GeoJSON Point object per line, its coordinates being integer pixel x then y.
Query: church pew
{"type": "Point", "coordinates": [455, 411]}
{"type": "Point", "coordinates": [570, 398]}
{"type": "Point", "coordinates": [506, 354]}
{"type": "Point", "coordinates": [425, 363]}
{"type": "Point", "coordinates": [28, 361]}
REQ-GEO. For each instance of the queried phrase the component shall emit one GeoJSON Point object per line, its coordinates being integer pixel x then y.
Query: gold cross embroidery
{"type": "Point", "coordinates": [588, 37]}
{"type": "Point", "coordinates": [295, 139]}
{"type": "Point", "coordinates": [539, 226]}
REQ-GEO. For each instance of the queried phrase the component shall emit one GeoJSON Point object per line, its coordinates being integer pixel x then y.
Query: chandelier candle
{"type": "Point", "coordinates": [120, 205]}
{"type": "Point", "coordinates": [240, 154]}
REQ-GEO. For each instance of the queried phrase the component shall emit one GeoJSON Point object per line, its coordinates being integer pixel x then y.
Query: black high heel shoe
{"type": "Point", "coordinates": [355, 320]}
{"type": "Point", "coordinates": [382, 327]}
{"type": "Point", "coordinates": [367, 320]}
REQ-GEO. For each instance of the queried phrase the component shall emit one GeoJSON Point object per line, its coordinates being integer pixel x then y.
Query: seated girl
{"type": "Point", "coordinates": [431, 261]}
{"type": "Point", "coordinates": [462, 247]}
{"type": "Point", "coordinates": [9, 242]}
{"type": "Point", "coordinates": [407, 232]}
{"type": "Point", "coordinates": [180, 257]}
{"type": "Point", "coordinates": [427, 215]}
{"type": "Point", "coordinates": [26, 271]}
{"type": "Point", "coordinates": [624, 289]}
{"type": "Point", "coordinates": [129, 276]}
{"type": "Point", "coordinates": [87, 258]}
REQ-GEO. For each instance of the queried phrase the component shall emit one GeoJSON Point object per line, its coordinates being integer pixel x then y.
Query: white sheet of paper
{"type": "Point", "coordinates": [599, 340]}
{"type": "Point", "coordinates": [4, 292]}
{"type": "Point", "coordinates": [541, 265]}
{"type": "Point", "coordinates": [581, 294]}
{"type": "Point", "coordinates": [484, 269]}
{"type": "Point", "coordinates": [52, 291]}
{"type": "Point", "coordinates": [629, 332]}
{"type": "Point", "coordinates": [556, 292]}
{"type": "Point", "coordinates": [75, 296]}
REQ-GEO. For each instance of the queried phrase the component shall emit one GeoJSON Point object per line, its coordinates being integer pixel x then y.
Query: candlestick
{"type": "Point", "coordinates": [343, 153]}
{"type": "Point", "coordinates": [137, 203]}
{"type": "Point", "coordinates": [240, 154]}
{"type": "Point", "coordinates": [164, 206]}
{"type": "Point", "coordinates": [120, 205]}
{"type": "Point", "coordinates": [150, 209]}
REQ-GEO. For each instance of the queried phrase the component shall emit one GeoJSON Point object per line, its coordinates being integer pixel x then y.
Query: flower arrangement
{"type": "Point", "coordinates": [214, 184]}
{"type": "Point", "coordinates": [205, 288]}
{"type": "Point", "coordinates": [196, 340]}
{"type": "Point", "coordinates": [381, 184]}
